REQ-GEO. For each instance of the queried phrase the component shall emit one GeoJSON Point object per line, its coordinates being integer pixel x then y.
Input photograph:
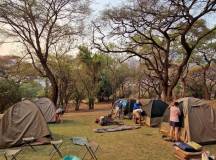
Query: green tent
{"type": "Point", "coordinates": [154, 110]}
{"type": "Point", "coordinates": [22, 120]}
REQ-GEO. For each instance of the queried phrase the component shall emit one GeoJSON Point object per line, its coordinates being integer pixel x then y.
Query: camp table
{"type": "Point", "coordinates": [56, 148]}
{"type": "Point", "coordinates": [28, 142]}
{"type": "Point", "coordinates": [11, 153]}
{"type": "Point", "coordinates": [91, 147]}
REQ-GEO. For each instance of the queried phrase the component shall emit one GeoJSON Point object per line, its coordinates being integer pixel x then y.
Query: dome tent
{"type": "Point", "coordinates": [47, 108]}
{"type": "Point", "coordinates": [22, 120]}
{"type": "Point", "coordinates": [198, 121]}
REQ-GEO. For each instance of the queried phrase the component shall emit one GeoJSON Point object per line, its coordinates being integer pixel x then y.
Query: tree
{"type": "Point", "coordinates": [91, 65]}
{"type": "Point", "coordinates": [66, 71]}
{"type": "Point", "coordinates": [105, 88]}
{"type": "Point", "coordinates": [77, 85]}
{"type": "Point", "coordinates": [31, 89]}
{"type": "Point", "coordinates": [117, 73]}
{"type": "Point", "coordinates": [204, 58]}
{"type": "Point", "coordinates": [148, 82]}
{"type": "Point", "coordinates": [23, 71]}
{"type": "Point", "coordinates": [9, 93]}
{"type": "Point", "coordinates": [153, 30]}
{"type": "Point", "coordinates": [44, 27]}
{"type": "Point", "coordinates": [61, 68]}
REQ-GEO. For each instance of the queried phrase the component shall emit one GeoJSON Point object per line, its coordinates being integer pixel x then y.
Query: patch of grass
{"type": "Point", "coordinates": [141, 144]}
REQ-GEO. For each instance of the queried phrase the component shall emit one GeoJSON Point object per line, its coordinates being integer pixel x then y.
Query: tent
{"type": "Point", "coordinates": [198, 121]}
{"type": "Point", "coordinates": [47, 108]}
{"type": "Point", "coordinates": [154, 110]}
{"type": "Point", "coordinates": [22, 120]}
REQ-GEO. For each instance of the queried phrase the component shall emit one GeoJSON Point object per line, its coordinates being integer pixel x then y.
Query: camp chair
{"type": "Point", "coordinates": [90, 146]}
{"type": "Point", "coordinates": [28, 142]}
{"type": "Point", "coordinates": [56, 148]}
{"type": "Point", "coordinates": [11, 154]}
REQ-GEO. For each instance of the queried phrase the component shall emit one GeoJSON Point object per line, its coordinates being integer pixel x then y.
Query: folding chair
{"type": "Point", "coordinates": [28, 142]}
{"type": "Point", "coordinates": [11, 154]}
{"type": "Point", "coordinates": [91, 147]}
{"type": "Point", "coordinates": [56, 148]}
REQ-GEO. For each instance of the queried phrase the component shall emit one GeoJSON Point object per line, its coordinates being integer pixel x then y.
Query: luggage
{"type": "Point", "coordinates": [185, 147]}
{"type": "Point", "coordinates": [195, 145]}
{"type": "Point", "coordinates": [183, 155]}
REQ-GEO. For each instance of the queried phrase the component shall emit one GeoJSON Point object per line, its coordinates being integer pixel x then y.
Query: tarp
{"type": "Point", "coordinates": [47, 108]}
{"type": "Point", "coordinates": [115, 128]}
{"type": "Point", "coordinates": [22, 120]}
{"type": "Point", "coordinates": [199, 120]}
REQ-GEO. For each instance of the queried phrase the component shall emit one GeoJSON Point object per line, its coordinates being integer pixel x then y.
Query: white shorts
{"type": "Point", "coordinates": [117, 108]}
{"type": "Point", "coordinates": [138, 110]}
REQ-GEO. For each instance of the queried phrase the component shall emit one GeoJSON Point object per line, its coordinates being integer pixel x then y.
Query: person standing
{"type": "Point", "coordinates": [174, 121]}
{"type": "Point", "coordinates": [118, 108]}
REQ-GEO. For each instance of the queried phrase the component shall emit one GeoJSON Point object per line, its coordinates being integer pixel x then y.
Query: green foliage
{"type": "Point", "coordinates": [105, 88]}
{"type": "Point", "coordinates": [91, 66]}
{"type": "Point", "coordinates": [31, 89]}
{"type": "Point", "coordinates": [9, 94]}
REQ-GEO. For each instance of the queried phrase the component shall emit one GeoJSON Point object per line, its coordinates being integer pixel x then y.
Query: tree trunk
{"type": "Point", "coordinates": [166, 94]}
{"type": "Point", "coordinates": [53, 82]}
{"type": "Point", "coordinates": [206, 92]}
{"type": "Point", "coordinates": [60, 98]}
{"type": "Point", "coordinates": [205, 87]}
{"type": "Point", "coordinates": [122, 90]}
{"type": "Point", "coordinates": [183, 94]}
{"type": "Point", "coordinates": [77, 104]}
{"type": "Point", "coordinates": [91, 103]}
{"type": "Point", "coordinates": [215, 95]}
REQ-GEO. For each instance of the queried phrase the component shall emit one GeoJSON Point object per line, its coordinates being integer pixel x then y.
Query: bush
{"type": "Point", "coordinates": [9, 94]}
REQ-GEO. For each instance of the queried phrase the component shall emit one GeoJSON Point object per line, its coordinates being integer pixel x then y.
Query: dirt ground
{"type": "Point", "coordinates": [100, 108]}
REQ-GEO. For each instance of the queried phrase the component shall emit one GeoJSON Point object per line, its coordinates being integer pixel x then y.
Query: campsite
{"type": "Point", "coordinates": [107, 79]}
{"type": "Point", "coordinates": [148, 140]}
{"type": "Point", "coordinates": [74, 126]}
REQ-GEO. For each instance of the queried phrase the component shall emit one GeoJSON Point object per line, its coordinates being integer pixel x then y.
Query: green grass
{"type": "Point", "coordinates": [140, 144]}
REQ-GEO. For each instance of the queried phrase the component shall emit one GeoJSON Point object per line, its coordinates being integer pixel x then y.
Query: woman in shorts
{"type": "Point", "coordinates": [174, 121]}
